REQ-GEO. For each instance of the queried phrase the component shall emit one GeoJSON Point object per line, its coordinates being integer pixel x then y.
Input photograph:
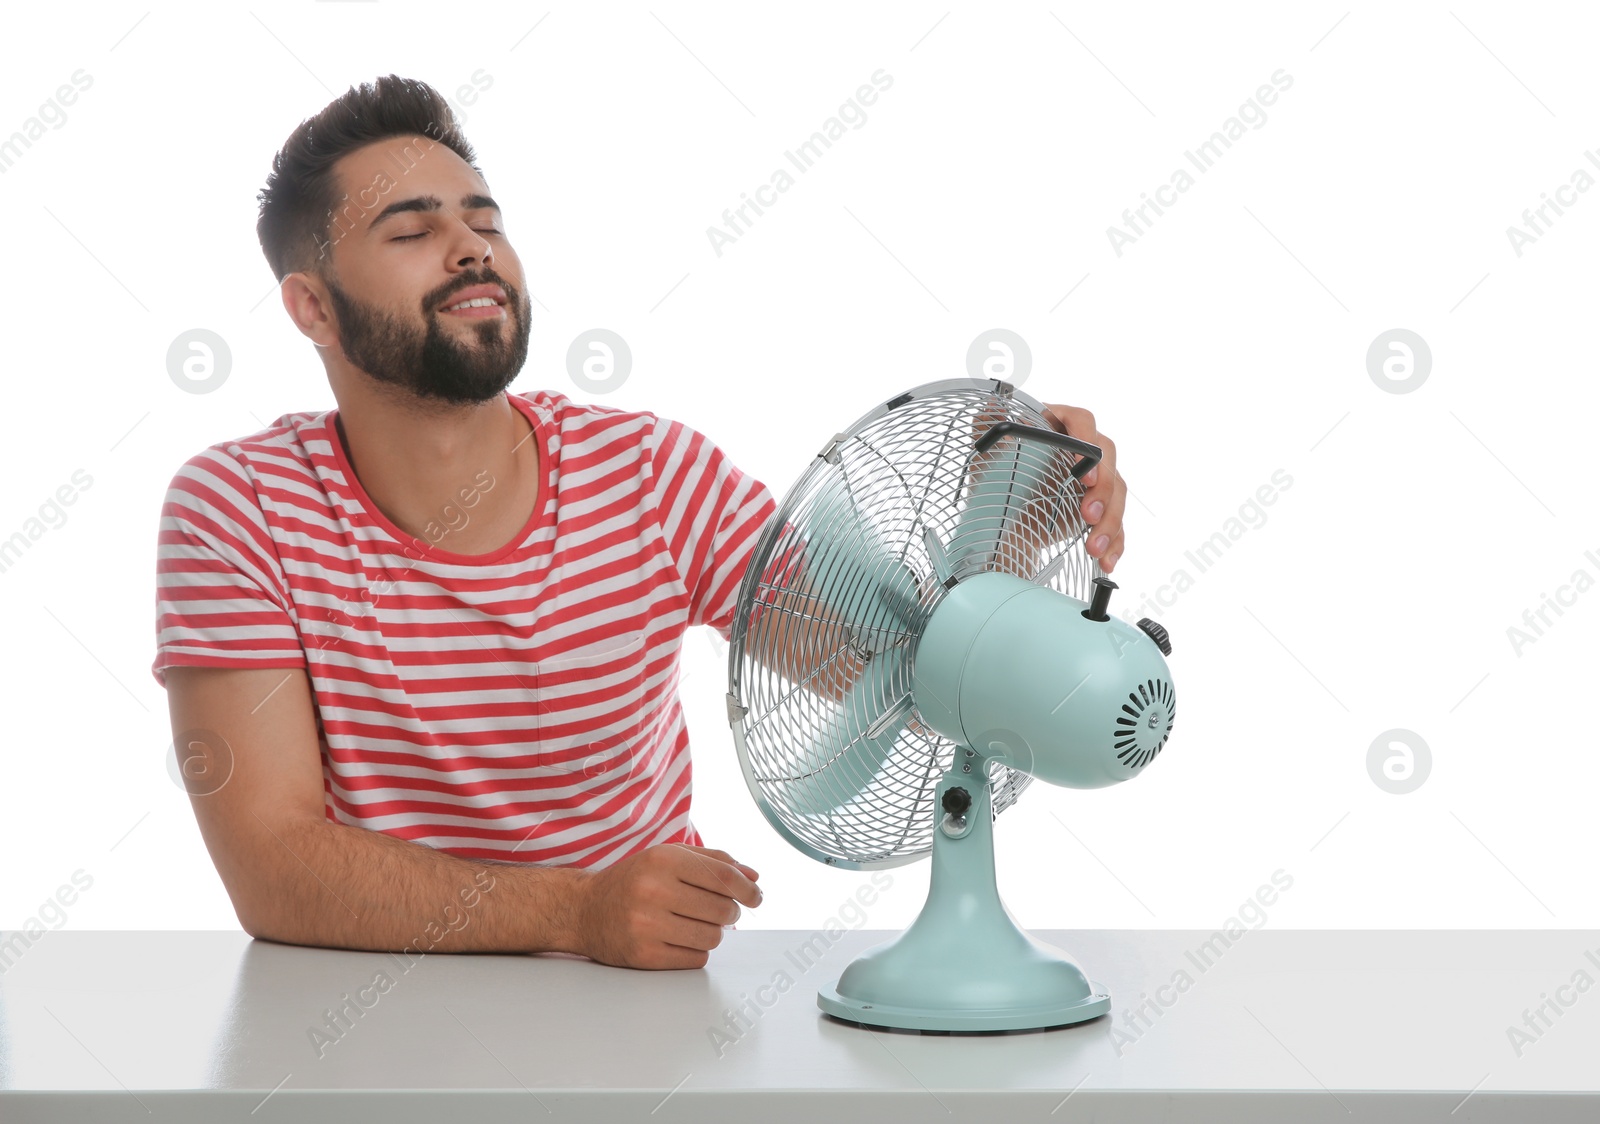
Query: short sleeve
{"type": "Point", "coordinates": [221, 596]}
{"type": "Point", "coordinates": [711, 515]}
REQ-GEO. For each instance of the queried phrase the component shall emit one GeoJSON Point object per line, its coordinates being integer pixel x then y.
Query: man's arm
{"type": "Point", "coordinates": [790, 637]}
{"type": "Point", "coordinates": [295, 877]}
{"type": "Point", "coordinates": [247, 742]}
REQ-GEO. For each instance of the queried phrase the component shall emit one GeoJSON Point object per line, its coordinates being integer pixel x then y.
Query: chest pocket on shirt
{"type": "Point", "coordinates": [590, 706]}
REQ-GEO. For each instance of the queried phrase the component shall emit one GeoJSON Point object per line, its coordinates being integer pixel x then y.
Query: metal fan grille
{"type": "Point", "coordinates": [857, 523]}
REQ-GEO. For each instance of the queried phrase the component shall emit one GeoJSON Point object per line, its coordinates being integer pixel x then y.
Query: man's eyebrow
{"type": "Point", "coordinates": [431, 203]}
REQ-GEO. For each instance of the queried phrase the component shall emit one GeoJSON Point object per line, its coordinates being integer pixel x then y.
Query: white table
{"type": "Point", "coordinates": [1283, 1026]}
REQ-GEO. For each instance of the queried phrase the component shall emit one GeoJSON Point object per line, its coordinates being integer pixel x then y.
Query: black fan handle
{"type": "Point", "coordinates": [1089, 455]}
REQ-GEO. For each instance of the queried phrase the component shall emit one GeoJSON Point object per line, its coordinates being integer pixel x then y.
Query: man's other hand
{"type": "Point", "coordinates": [664, 907]}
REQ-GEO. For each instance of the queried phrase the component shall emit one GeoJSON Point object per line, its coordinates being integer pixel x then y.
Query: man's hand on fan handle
{"type": "Point", "coordinates": [1106, 493]}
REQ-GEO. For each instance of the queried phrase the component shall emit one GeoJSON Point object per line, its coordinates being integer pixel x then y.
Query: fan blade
{"type": "Point", "coordinates": [936, 554]}
{"type": "Point", "coordinates": [1048, 574]}
{"type": "Point", "coordinates": [999, 516]}
{"type": "Point", "coordinates": [895, 714]}
{"type": "Point", "coordinates": [856, 580]}
{"type": "Point", "coordinates": [981, 521]}
{"type": "Point", "coordinates": [855, 745]}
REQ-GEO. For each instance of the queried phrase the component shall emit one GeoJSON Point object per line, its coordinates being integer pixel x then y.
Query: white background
{"type": "Point", "coordinates": [1228, 342]}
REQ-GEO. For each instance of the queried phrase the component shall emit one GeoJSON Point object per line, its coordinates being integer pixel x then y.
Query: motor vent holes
{"type": "Point", "coordinates": [1145, 723]}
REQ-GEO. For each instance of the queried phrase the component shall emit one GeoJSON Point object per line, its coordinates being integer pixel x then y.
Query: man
{"type": "Point", "coordinates": [446, 615]}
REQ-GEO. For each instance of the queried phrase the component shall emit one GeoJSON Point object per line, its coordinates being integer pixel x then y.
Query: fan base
{"type": "Point", "coordinates": [964, 965]}
{"type": "Point", "coordinates": [961, 1022]}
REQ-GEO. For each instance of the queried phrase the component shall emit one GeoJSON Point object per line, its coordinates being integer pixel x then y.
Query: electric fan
{"type": "Point", "coordinates": [919, 634]}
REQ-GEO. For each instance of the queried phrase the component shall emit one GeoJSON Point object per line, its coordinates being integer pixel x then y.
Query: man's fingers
{"type": "Point", "coordinates": [1113, 552]}
{"type": "Point", "coordinates": [708, 907]}
{"type": "Point", "coordinates": [1073, 420]}
{"type": "Point", "coordinates": [721, 876]}
{"type": "Point", "coordinates": [1106, 535]}
{"type": "Point", "coordinates": [691, 933]}
{"type": "Point", "coordinates": [1105, 515]}
{"type": "Point", "coordinates": [748, 871]}
{"type": "Point", "coordinates": [1079, 423]}
{"type": "Point", "coordinates": [1105, 492]}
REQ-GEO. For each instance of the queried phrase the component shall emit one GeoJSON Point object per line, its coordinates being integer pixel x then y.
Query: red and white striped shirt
{"type": "Point", "coordinates": [520, 705]}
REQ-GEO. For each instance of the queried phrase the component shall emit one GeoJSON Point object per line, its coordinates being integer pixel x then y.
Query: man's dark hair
{"type": "Point", "coordinates": [298, 201]}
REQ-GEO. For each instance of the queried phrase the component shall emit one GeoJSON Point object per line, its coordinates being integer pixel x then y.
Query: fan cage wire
{"type": "Point", "coordinates": [848, 527]}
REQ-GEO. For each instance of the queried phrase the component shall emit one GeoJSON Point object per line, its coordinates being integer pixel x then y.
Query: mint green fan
{"type": "Point", "coordinates": [919, 634]}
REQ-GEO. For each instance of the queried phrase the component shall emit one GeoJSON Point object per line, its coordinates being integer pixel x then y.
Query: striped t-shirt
{"type": "Point", "coordinates": [520, 705]}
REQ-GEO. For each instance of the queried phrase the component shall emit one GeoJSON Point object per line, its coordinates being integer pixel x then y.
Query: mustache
{"type": "Point", "coordinates": [513, 294]}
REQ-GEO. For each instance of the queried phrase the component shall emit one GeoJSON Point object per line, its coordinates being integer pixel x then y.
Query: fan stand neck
{"type": "Point", "coordinates": [964, 965]}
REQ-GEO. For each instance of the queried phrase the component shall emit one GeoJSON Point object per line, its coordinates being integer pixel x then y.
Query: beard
{"type": "Point", "coordinates": [436, 363]}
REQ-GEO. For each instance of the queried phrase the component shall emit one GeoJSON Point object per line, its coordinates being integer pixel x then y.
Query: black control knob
{"type": "Point", "coordinates": [956, 801]}
{"type": "Point", "coordinates": [1102, 597]}
{"type": "Point", "coordinates": [1155, 632]}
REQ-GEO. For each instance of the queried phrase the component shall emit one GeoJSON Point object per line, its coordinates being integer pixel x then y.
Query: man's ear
{"type": "Point", "coordinates": [305, 299]}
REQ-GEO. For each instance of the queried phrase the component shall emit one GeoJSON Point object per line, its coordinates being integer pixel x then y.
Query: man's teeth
{"type": "Point", "coordinates": [476, 302]}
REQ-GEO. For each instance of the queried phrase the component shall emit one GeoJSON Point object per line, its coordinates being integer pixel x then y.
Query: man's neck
{"type": "Point", "coordinates": [464, 479]}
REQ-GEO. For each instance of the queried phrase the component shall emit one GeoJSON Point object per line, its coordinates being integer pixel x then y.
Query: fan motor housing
{"type": "Point", "coordinates": [1018, 673]}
